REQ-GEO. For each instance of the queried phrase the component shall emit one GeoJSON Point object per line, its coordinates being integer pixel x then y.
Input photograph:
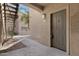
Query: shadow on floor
{"type": "Point", "coordinates": [15, 47]}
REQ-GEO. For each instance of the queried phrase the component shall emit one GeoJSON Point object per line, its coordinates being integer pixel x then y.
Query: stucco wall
{"type": "Point", "coordinates": [74, 18]}
{"type": "Point", "coordinates": [38, 28]}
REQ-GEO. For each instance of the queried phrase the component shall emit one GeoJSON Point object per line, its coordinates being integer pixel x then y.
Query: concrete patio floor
{"type": "Point", "coordinates": [29, 47]}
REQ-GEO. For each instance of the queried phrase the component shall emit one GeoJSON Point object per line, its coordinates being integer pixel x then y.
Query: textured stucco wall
{"type": "Point", "coordinates": [74, 18]}
{"type": "Point", "coordinates": [38, 28]}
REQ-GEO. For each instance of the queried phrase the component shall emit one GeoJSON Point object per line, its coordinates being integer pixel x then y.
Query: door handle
{"type": "Point", "coordinates": [52, 36]}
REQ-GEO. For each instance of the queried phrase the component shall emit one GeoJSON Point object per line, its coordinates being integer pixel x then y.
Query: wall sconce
{"type": "Point", "coordinates": [44, 17]}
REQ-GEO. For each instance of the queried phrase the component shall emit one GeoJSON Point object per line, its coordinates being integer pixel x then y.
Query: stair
{"type": "Point", "coordinates": [0, 27]}
{"type": "Point", "coordinates": [9, 15]}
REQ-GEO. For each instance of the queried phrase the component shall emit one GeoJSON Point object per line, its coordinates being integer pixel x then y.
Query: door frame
{"type": "Point", "coordinates": [67, 29]}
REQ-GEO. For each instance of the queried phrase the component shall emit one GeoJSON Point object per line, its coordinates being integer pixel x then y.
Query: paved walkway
{"type": "Point", "coordinates": [29, 47]}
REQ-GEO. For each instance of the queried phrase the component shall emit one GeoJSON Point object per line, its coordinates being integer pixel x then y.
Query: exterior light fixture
{"type": "Point", "coordinates": [44, 17]}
